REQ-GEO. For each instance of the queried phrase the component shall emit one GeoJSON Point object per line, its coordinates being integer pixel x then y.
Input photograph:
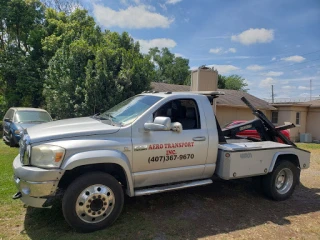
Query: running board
{"type": "Point", "coordinates": [149, 191]}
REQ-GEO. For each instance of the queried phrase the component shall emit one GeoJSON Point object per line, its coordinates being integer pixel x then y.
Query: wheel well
{"type": "Point", "coordinates": [114, 170]}
{"type": "Point", "coordinates": [289, 157]}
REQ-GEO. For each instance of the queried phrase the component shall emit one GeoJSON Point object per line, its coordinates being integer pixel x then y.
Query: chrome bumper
{"type": "Point", "coordinates": [36, 185]}
{"type": "Point", "coordinates": [36, 189]}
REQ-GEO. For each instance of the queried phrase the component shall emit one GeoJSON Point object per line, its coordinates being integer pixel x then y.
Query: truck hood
{"type": "Point", "coordinates": [74, 127]}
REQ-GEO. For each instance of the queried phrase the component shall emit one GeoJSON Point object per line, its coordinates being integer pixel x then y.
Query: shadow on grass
{"type": "Point", "coordinates": [222, 207]}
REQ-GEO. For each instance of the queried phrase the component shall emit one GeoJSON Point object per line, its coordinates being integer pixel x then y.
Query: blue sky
{"type": "Point", "coordinates": [265, 41]}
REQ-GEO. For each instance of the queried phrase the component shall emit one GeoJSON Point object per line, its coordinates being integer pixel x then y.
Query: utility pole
{"type": "Point", "coordinates": [272, 95]}
{"type": "Point", "coordinates": [310, 89]}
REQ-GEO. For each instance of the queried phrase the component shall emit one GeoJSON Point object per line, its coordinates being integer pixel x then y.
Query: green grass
{"type": "Point", "coordinates": [7, 155]}
{"type": "Point", "coordinates": [309, 146]}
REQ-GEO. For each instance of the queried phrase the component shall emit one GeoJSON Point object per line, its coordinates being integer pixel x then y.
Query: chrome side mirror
{"type": "Point", "coordinates": [159, 124]}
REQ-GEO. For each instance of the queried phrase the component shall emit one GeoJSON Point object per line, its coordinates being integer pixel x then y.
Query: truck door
{"type": "Point", "coordinates": [166, 156]}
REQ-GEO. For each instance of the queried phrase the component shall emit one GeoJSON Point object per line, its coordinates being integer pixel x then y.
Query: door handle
{"type": "Point", "coordinates": [199, 138]}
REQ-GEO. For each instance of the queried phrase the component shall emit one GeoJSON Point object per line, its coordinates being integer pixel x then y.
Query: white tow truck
{"type": "Point", "coordinates": [150, 143]}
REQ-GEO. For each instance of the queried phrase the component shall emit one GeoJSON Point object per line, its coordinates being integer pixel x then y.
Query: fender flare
{"type": "Point", "coordinates": [101, 156]}
{"type": "Point", "coordinates": [275, 157]}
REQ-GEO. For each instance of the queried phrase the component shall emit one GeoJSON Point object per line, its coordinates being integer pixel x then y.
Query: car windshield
{"type": "Point", "coordinates": [32, 116]}
{"type": "Point", "coordinates": [127, 111]}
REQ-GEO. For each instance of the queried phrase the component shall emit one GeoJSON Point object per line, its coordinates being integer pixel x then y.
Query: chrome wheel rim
{"type": "Point", "coordinates": [95, 203]}
{"type": "Point", "coordinates": [284, 181]}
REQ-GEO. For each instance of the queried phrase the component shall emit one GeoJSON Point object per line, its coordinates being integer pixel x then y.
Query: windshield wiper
{"type": "Point", "coordinates": [109, 117]}
{"type": "Point", "coordinates": [106, 116]}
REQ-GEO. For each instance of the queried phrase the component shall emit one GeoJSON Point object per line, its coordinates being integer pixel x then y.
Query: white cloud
{"type": "Point", "coordinates": [124, 2]}
{"type": "Point", "coordinates": [304, 95]}
{"type": "Point", "coordinates": [127, 18]}
{"type": "Point", "coordinates": [231, 50]}
{"type": "Point", "coordinates": [220, 50]}
{"type": "Point", "coordinates": [193, 68]}
{"type": "Point", "coordinates": [179, 55]}
{"type": "Point", "coordinates": [215, 50]}
{"type": "Point", "coordinates": [295, 58]}
{"type": "Point", "coordinates": [172, 1]}
{"type": "Point", "coordinates": [273, 59]}
{"type": "Point", "coordinates": [250, 83]}
{"type": "Point", "coordinates": [273, 74]}
{"type": "Point", "coordinates": [288, 87]}
{"type": "Point", "coordinates": [163, 6]}
{"type": "Point", "coordinates": [145, 45]}
{"type": "Point", "coordinates": [254, 35]}
{"type": "Point", "coordinates": [223, 69]}
{"type": "Point", "coordinates": [267, 82]}
{"type": "Point", "coordinates": [255, 67]}
{"type": "Point", "coordinates": [304, 88]}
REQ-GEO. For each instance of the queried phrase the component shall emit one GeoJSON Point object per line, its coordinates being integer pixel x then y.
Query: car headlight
{"type": "Point", "coordinates": [18, 131]}
{"type": "Point", "coordinates": [47, 156]}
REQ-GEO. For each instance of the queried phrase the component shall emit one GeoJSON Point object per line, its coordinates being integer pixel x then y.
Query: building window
{"type": "Point", "coordinates": [298, 118]}
{"type": "Point", "coordinates": [274, 117]}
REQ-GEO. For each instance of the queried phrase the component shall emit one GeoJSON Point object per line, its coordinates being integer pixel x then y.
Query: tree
{"type": "Point", "coordinates": [66, 6]}
{"type": "Point", "coordinates": [90, 70]}
{"type": "Point", "coordinates": [234, 82]}
{"type": "Point", "coordinates": [221, 82]}
{"type": "Point", "coordinates": [168, 67]}
{"type": "Point", "coordinates": [20, 52]}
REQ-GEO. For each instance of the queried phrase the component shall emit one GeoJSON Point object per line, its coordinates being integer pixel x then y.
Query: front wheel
{"type": "Point", "coordinates": [281, 182]}
{"type": "Point", "coordinates": [12, 142]}
{"type": "Point", "coordinates": [92, 202]}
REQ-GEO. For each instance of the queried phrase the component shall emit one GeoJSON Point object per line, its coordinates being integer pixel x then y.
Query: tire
{"type": "Point", "coordinates": [92, 202]}
{"type": "Point", "coordinates": [281, 182]}
{"type": "Point", "coordinates": [12, 142]}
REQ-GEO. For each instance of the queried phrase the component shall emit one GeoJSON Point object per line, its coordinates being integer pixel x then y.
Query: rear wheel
{"type": "Point", "coordinates": [92, 202]}
{"type": "Point", "coordinates": [281, 182]}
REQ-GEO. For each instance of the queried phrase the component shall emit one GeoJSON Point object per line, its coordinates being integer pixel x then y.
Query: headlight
{"type": "Point", "coordinates": [18, 131]}
{"type": "Point", "coordinates": [47, 156]}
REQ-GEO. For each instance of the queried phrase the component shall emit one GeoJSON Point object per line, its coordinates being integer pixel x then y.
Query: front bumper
{"type": "Point", "coordinates": [36, 185]}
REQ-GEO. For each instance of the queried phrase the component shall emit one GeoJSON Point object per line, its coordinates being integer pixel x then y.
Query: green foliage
{"type": "Point", "coordinates": [21, 65]}
{"type": "Point", "coordinates": [90, 71]}
{"type": "Point", "coordinates": [234, 82]}
{"type": "Point", "coordinates": [169, 68]}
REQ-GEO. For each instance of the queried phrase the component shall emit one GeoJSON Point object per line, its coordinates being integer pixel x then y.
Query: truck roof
{"type": "Point", "coordinates": [192, 93]}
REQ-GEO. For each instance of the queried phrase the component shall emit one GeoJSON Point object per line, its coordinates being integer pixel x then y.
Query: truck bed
{"type": "Point", "coordinates": [246, 145]}
{"type": "Point", "coordinates": [246, 159]}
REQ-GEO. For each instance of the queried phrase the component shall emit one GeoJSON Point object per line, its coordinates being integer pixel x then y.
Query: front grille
{"type": "Point", "coordinates": [25, 149]}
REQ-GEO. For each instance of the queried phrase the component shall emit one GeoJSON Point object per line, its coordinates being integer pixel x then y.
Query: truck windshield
{"type": "Point", "coordinates": [32, 116]}
{"type": "Point", "coordinates": [127, 111]}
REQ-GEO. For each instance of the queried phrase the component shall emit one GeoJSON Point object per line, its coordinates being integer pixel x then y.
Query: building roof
{"type": "Point", "coordinates": [165, 87]}
{"type": "Point", "coordinates": [232, 98]}
{"type": "Point", "coordinates": [313, 103]}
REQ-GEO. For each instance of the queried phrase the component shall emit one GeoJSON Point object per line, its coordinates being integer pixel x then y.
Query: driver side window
{"type": "Point", "coordinates": [184, 111]}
